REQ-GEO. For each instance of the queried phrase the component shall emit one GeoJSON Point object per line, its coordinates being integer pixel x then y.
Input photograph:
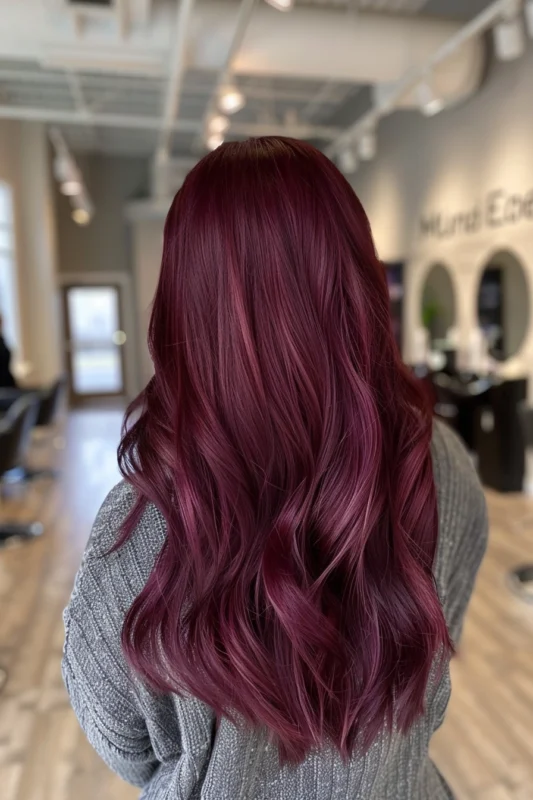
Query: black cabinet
{"type": "Point", "coordinates": [498, 439]}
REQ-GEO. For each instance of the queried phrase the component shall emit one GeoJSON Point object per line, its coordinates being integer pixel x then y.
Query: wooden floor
{"type": "Point", "coordinates": [485, 747]}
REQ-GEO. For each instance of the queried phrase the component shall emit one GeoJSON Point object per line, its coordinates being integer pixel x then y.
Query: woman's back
{"type": "Point", "coordinates": [279, 525]}
{"type": "Point", "coordinates": [172, 746]}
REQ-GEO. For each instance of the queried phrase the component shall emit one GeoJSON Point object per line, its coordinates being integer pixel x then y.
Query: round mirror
{"type": "Point", "coordinates": [438, 305]}
{"type": "Point", "coordinates": [503, 305]}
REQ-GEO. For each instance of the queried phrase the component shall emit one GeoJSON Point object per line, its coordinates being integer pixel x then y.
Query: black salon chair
{"type": "Point", "coordinates": [48, 402]}
{"type": "Point", "coordinates": [8, 397]}
{"type": "Point", "coordinates": [15, 435]}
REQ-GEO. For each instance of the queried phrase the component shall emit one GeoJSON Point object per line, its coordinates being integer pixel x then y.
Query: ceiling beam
{"type": "Point", "coordinates": [76, 92]}
{"type": "Point", "coordinates": [149, 84]}
{"type": "Point", "coordinates": [242, 21]}
{"type": "Point", "coordinates": [297, 130]}
{"type": "Point", "coordinates": [368, 121]}
{"type": "Point", "coordinates": [176, 75]}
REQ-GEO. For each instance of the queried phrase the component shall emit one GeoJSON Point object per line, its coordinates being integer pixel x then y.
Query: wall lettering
{"type": "Point", "coordinates": [499, 208]}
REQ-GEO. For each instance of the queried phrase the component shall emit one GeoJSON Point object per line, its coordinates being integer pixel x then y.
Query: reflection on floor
{"type": "Point", "coordinates": [485, 747]}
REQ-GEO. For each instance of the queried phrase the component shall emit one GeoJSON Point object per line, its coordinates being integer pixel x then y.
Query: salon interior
{"type": "Point", "coordinates": [105, 105]}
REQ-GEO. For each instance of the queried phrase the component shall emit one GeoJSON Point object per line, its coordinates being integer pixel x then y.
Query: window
{"type": "Point", "coordinates": [8, 278]}
{"type": "Point", "coordinates": [95, 340]}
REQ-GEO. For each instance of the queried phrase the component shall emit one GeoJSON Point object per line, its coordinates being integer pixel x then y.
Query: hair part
{"type": "Point", "coordinates": [288, 449]}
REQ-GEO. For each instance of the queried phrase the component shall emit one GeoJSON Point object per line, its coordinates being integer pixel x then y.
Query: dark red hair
{"type": "Point", "coordinates": [288, 449]}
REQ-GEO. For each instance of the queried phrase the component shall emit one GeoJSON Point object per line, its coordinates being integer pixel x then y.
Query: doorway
{"type": "Point", "coordinates": [94, 341]}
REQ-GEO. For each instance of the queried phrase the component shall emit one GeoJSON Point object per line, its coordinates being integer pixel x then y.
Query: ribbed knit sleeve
{"type": "Point", "coordinates": [172, 746]}
{"type": "Point", "coordinates": [105, 697]}
{"type": "Point", "coordinates": [463, 516]}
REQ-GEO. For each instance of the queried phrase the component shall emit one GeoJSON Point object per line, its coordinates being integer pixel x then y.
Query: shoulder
{"type": "Point", "coordinates": [122, 572]}
{"type": "Point", "coordinates": [461, 501]}
{"type": "Point", "coordinates": [455, 475]}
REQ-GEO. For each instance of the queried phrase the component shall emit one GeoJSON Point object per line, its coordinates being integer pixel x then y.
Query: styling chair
{"type": "Point", "coordinates": [15, 435]}
{"type": "Point", "coordinates": [50, 400]}
{"type": "Point", "coordinates": [48, 403]}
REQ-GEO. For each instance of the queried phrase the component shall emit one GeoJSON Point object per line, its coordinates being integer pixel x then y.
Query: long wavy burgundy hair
{"type": "Point", "coordinates": [288, 450]}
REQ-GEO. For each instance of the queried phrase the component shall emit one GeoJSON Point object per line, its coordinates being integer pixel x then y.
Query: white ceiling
{"type": "Point", "coordinates": [26, 85]}
{"type": "Point", "coordinates": [30, 90]}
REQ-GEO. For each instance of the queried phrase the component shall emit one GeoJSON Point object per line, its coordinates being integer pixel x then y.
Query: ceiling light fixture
{"type": "Point", "coordinates": [81, 216]}
{"type": "Point", "coordinates": [347, 161]}
{"type": "Point", "coordinates": [231, 100]}
{"type": "Point", "coordinates": [509, 35]}
{"type": "Point", "coordinates": [214, 140]}
{"type": "Point", "coordinates": [281, 5]}
{"type": "Point", "coordinates": [82, 208]}
{"type": "Point", "coordinates": [367, 146]}
{"type": "Point", "coordinates": [70, 179]}
{"type": "Point", "coordinates": [429, 102]}
{"type": "Point", "coordinates": [70, 188]}
{"type": "Point", "coordinates": [218, 124]}
{"type": "Point", "coordinates": [528, 10]}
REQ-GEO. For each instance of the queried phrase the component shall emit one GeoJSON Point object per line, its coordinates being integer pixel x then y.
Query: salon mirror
{"type": "Point", "coordinates": [503, 305]}
{"type": "Point", "coordinates": [438, 305]}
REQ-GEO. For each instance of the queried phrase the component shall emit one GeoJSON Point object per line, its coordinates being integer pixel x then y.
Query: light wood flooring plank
{"type": "Point", "coordinates": [484, 748]}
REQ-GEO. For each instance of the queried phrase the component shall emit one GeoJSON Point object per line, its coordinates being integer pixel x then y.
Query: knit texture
{"type": "Point", "coordinates": [168, 745]}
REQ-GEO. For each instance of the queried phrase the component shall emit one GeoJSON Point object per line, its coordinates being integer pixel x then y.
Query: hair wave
{"type": "Point", "coordinates": [288, 450]}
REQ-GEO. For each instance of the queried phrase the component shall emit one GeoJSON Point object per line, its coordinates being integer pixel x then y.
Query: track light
{"type": "Point", "coordinates": [367, 146]}
{"type": "Point", "coordinates": [509, 38]}
{"type": "Point", "coordinates": [347, 161]}
{"type": "Point", "coordinates": [218, 124]}
{"type": "Point", "coordinates": [81, 216]}
{"type": "Point", "coordinates": [70, 188]}
{"type": "Point", "coordinates": [82, 208]}
{"type": "Point", "coordinates": [67, 174]}
{"type": "Point", "coordinates": [281, 5]}
{"type": "Point", "coordinates": [231, 100]}
{"type": "Point", "coordinates": [70, 179]}
{"type": "Point", "coordinates": [430, 103]}
{"type": "Point", "coordinates": [214, 140]}
{"type": "Point", "coordinates": [528, 9]}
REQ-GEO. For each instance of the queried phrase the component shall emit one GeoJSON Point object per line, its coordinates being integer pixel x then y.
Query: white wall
{"type": "Point", "coordinates": [102, 246]}
{"type": "Point", "coordinates": [24, 165]}
{"type": "Point", "coordinates": [449, 164]}
{"type": "Point", "coordinates": [147, 246]}
{"type": "Point", "coordinates": [103, 252]}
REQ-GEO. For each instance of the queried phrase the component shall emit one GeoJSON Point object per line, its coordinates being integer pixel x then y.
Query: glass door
{"type": "Point", "coordinates": [94, 341]}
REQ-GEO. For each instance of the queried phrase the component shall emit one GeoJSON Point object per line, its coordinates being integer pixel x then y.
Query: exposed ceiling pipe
{"type": "Point", "coordinates": [311, 43]}
{"type": "Point", "coordinates": [318, 43]}
{"type": "Point", "coordinates": [242, 21]}
{"type": "Point", "coordinates": [472, 30]}
{"type": "Point", "coordinates": [299, 130]}
{"type": "Point", "coordinates": [176, 74]}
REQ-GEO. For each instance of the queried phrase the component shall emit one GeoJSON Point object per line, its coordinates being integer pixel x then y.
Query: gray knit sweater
{"type": "Point", "coordinates": [168, 745]}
